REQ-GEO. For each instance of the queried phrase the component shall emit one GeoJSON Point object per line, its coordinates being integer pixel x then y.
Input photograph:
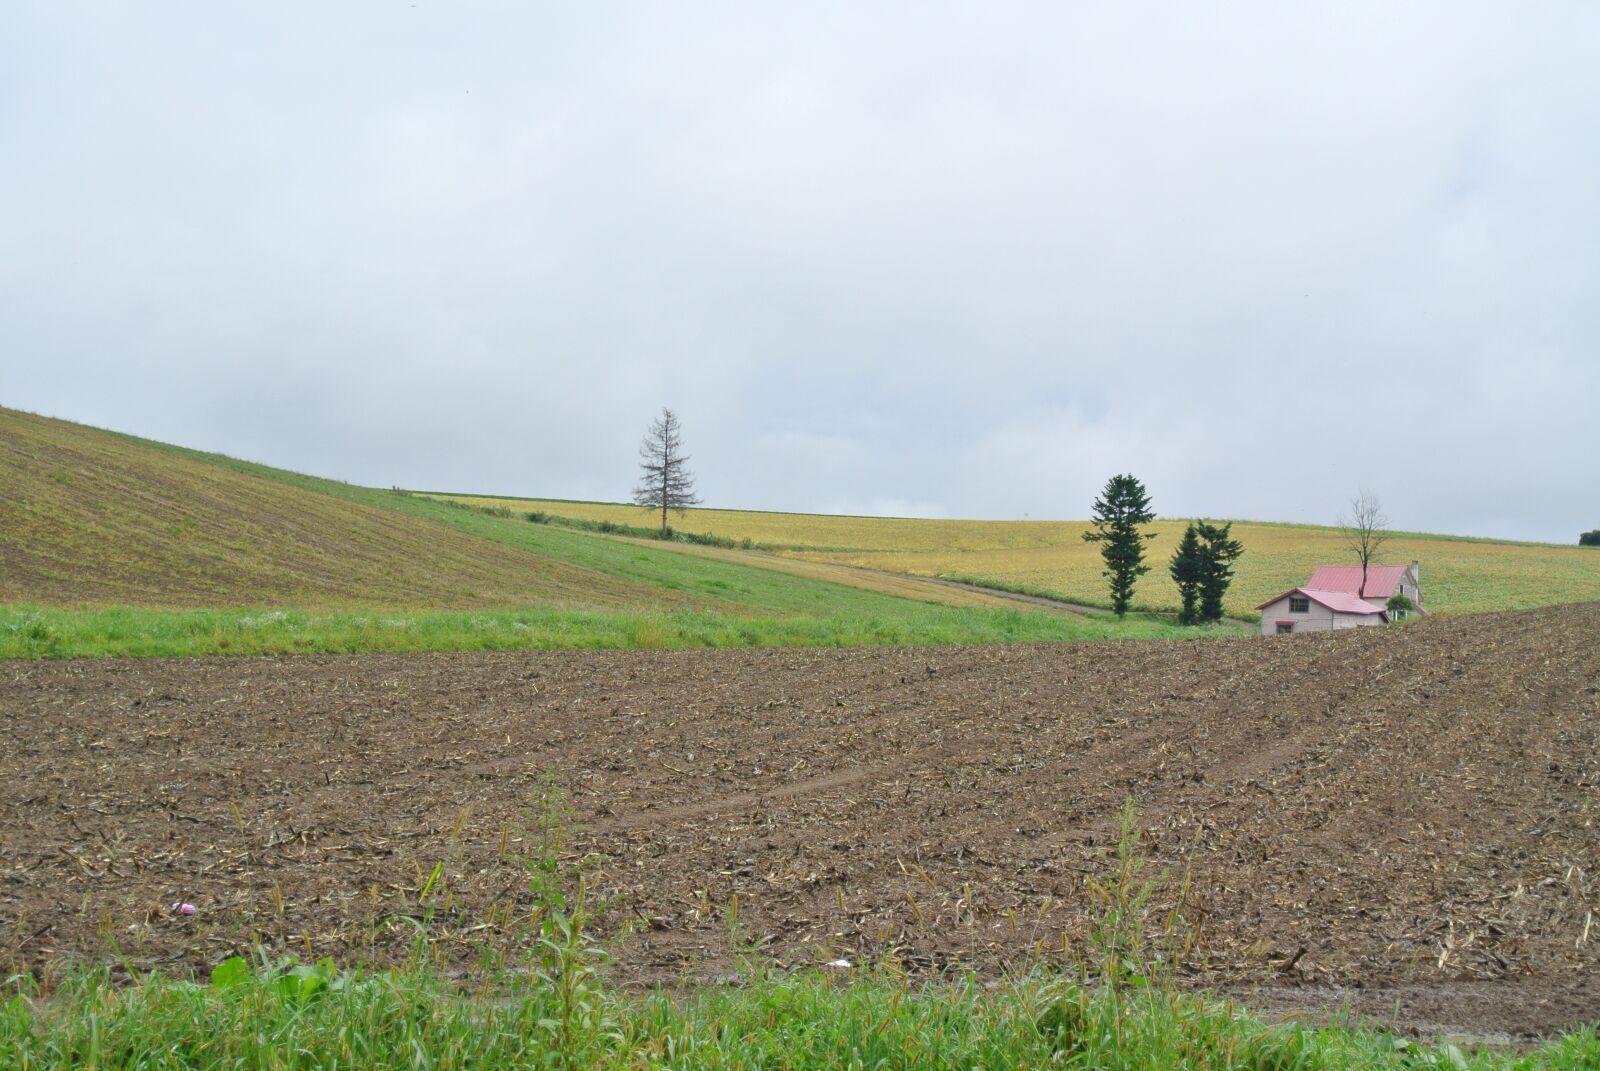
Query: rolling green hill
{"type": "Point", "coordinates": [114, 544]}
{"type": "Point", "coordinates": [1459, 575]}
{"type": "Point", "coordinates": [96, 519]}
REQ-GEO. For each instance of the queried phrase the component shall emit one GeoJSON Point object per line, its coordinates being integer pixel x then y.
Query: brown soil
{"type": "Point", "coordinates": [1393, 815]}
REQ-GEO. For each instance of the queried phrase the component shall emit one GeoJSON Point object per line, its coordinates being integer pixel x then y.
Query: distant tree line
{"type": "Point", "coordinates": [1590, 539]}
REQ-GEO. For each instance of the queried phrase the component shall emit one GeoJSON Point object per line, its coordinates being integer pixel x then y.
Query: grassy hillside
{"type": "Point", "coordinates": [1459, 575]}
{"type": "Point", "coordinates": [114, 544]}
{"type": "Point", "coordinates": [95, 519]}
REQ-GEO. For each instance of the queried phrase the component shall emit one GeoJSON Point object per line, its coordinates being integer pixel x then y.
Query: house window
{"type": "Point", "coordinates": [1285, 626]}
{"type": "Point", "coordinates": [1298, 604]}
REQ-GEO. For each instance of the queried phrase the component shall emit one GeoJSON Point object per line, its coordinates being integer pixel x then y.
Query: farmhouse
{"type": "Point", "coordinates": [1336, 598]}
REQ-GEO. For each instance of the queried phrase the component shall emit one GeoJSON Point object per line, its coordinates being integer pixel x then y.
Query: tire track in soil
{"type": "Point", "coordinates": [813, 786]}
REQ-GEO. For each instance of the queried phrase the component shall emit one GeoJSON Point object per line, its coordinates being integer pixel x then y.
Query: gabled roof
{"type": "Point", "coordinates": [1382, 580]}
{"type": "Point", "coordinates": [1340, 602]}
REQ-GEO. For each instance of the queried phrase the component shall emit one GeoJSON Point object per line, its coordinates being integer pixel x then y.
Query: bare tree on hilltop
{"type": "Point", "coordinates": [665, 482]}
{"type": "Point", "coordinates": [1365, 531]}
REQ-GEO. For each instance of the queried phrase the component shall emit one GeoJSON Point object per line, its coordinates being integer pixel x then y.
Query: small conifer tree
{"type": "Point", "coordinates": [1218, 551]}
{"type": "Point", "coordinates": [1188, 572]}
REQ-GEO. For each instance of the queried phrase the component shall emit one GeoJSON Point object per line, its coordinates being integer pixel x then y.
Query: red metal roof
{"type": "Point", "coordinates": [1382, 580]}
{"type": "Point", "coordinates": [1340, 602]}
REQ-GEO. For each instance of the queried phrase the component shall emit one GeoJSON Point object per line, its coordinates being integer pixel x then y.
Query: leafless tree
{"type": "Point", "coordinates": [1365, 531]}
{"type": "Point", "coordinates": [664, 481]}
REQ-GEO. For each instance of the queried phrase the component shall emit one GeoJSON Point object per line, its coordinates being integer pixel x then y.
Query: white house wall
{"type": "Point", "coordinates": [1318, 618]}
{"type": "Point", "coordinates": [1409, 586]}
{"type": "Point", "coordinates": [1356, 620]}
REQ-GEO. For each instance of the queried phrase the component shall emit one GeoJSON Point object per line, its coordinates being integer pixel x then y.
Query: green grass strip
{"type": "Point", "coordinates": [41, 632]}
{"type": "Point", "coordinates": [319, 1018]}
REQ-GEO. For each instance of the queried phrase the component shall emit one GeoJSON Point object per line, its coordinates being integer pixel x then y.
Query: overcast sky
{"type": "Point", "coordinates": [930, 259]}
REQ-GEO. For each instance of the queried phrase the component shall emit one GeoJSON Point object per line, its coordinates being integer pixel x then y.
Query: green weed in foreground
{"type": "Point", "coordinates": [281, 1017]}
{"type": "Point", "coordinates": [40, 632]}
{"type": "Point", "coordinates": [556, 1011]}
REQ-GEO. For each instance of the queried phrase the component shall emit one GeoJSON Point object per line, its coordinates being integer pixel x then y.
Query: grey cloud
{"type": "Point", "coordinates": [957, 261]}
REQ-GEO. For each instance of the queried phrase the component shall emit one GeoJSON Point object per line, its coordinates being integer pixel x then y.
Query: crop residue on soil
{"type": "Point", "coordinates": [1402, 813]}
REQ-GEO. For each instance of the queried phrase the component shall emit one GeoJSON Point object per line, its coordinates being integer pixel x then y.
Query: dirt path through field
{"type": "Point", "coordinates": [906, 585]}
{"type": "Point", "coordinates": [1017, 596]}
{"type": "Point", "coordinates": [1391, 814]}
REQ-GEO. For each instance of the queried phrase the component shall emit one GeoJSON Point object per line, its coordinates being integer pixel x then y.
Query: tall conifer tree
{"type": "Point", "coordinates": [1118, 512]}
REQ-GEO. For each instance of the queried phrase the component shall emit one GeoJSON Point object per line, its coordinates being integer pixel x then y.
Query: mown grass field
{"type": "Point", "coordinates": [1459, 575]}
{"type": "Point", "coordinates": [45, 632]}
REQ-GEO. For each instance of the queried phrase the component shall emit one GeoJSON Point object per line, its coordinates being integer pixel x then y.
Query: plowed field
{"type": "Point", "coordinates": [1404, 814]}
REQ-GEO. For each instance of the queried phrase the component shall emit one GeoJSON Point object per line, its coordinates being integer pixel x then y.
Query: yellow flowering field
{"type": "Point", "coordinates": [1458, 575]}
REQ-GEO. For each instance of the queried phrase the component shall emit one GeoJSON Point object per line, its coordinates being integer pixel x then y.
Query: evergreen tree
{"type": "Point", "coordinates": [1118, 512]}
{"type": "Point", "coordinates": [1188, 570]}
{"type": "Point", "coordinates": [1218, 552]}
